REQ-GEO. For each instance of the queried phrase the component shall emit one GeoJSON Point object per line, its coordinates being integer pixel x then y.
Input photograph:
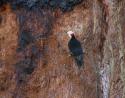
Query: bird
{"type": "Point", "coordinates": [75, 49]}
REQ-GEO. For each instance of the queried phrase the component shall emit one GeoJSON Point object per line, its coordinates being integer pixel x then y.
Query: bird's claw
{"type": "Point", "coordinates": [69, 55]}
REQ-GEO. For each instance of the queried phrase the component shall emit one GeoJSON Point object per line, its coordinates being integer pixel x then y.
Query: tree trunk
{"type": "Point", "coordinates": [34, 54]}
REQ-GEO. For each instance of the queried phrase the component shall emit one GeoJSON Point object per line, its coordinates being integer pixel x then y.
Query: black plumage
{"type": "Point", "coordinates": [76, 50]}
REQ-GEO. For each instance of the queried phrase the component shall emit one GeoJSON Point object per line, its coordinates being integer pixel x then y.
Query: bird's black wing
{"type": "Point", "coordinates": [75, 47]}
{"type": "Point", "coordinates": [76, 50]}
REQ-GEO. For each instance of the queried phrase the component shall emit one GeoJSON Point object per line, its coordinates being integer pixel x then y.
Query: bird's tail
{"type": "Point", "coordinates": [79, 60]}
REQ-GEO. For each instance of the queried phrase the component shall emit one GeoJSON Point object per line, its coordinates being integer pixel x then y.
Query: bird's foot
{"type": "Point", "coordinates": [69, 55]}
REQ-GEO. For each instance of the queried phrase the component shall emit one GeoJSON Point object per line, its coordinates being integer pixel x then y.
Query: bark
{"type": "Point", "coordinates": [34, 54]}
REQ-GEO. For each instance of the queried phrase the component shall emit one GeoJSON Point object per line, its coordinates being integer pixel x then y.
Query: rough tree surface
{"type": "Point", "coordinates": [34, 55]}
